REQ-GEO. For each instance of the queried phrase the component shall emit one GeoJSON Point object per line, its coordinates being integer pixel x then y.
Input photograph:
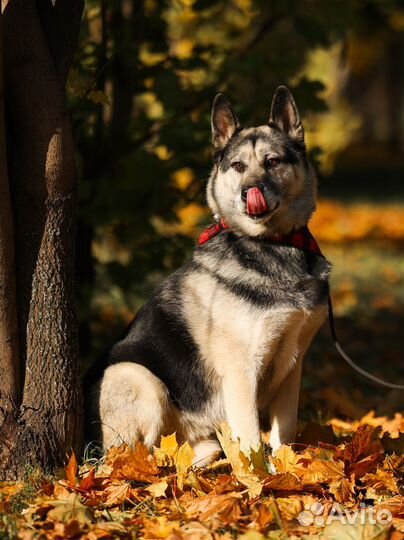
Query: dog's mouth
{"type": "Point", "coordinates": [256, 205]}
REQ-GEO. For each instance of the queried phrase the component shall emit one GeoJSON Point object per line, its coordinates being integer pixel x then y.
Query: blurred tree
{"type": "Point", "coordinates": [141, 91]}
{"type": "Point", "coordinates": [40, 396]}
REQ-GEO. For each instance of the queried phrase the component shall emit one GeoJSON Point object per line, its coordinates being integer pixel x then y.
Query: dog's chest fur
{"type": "Point", "coordinates": [240, 303]}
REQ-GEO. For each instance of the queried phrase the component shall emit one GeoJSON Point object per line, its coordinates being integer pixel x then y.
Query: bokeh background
{"type": "Point", "coordinates": [140, 94]}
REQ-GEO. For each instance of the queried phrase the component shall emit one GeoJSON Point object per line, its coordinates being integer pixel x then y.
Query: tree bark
{"type": "Point", "coordinates": [9, 358]}
{"type": "Point", "coordinates": [43, 186]}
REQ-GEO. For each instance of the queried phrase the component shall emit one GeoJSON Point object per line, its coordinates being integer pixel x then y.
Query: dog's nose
{"type": "Point", "coordinates": [261, 185]}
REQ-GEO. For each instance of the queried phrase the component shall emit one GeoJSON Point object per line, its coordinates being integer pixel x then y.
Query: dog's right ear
{"type": "Point", "coordinates": [224, 122]}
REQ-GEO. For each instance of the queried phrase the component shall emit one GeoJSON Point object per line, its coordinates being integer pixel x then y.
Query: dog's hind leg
{"type": "Point", "coordinates": [133, 405]}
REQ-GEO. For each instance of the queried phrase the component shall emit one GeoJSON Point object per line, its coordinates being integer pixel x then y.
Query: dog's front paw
{"type": "Point", "coordinates": [206, 452]}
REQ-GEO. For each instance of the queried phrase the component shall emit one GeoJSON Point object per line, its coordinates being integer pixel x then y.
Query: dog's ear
{"type": "Point", "coordinates": [224, 122]}
{"type": "Point", "coordinates": [284, 114]}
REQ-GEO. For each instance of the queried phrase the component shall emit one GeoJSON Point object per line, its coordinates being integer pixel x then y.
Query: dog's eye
{"type": "Point", "coordinates": [238, 166]}
{"type": "Point", "coordinates": [272, 162]}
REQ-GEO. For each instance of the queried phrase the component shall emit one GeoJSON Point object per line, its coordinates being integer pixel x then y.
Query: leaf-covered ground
{"type": "Point", "coordinates": [344, 477]}
{"type": "Point", "coordinates": [349, 486]}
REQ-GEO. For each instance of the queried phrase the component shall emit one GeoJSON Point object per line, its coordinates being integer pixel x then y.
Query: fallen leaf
{"type": "Point", "coordinates": [363, 443]}
{"type": "Point", "coordinates": [67, 530]}
{"type": "Point", "coordinates": [282, 482]}
{"type": "Point", "coordinates": [225, 507]}
{"type": "Point", "coordinates": [70, 509]}
{"type": "Point", "coordinates": [160, 527]}
{"type": "Point", "coordinates": [289, 508]}
{"type": "Point", "coordinates": [129, 464]}
{"type": "Point", "coordinates": [323, 471]}
{"type": "Point", "coordinates": [252, 535]}
{"type": "Point", "coordinates": [166, 453]}
{"type": "Point", "coordinates": [262, 516]}
{"type": "Point", "coordinates": [242, 467]}
{"type": "Point", "coordinates": [158, 489]}
{"type": "Point", "coordinates": [116, 494]}
{"type": "Point", "coordinates": [343, 489]}
{"type": "Point", "coordinates": [395, 505]}
{"type": "Point", "coordinates": [7, 491]}
{"type": "Point", "coordinates": [89, 481]}
{"type": "Point", "coordinates": [183, 462]}
{"type": "Point", "coordinates": [71, 469]}
{"type": "Point", "coordinates": [285, 460]}
{"type": "Point", "coordinates": [367, 531]}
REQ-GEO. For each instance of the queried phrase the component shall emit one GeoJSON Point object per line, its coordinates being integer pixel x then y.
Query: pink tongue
{"type": "Point", "coordinates": [256, 203]}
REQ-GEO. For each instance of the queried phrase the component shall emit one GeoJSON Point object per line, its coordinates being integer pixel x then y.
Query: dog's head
{"type": "Point", "coordinates": [261, 183]}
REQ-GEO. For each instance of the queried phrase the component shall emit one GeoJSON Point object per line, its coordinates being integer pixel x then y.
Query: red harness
{"type": "Point", "coordinates": [301, 239]}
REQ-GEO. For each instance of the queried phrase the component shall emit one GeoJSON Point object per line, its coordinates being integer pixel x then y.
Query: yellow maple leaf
{"type": "Point", "coordinates": [242, 467]}
{"type": "Point", "coordinates": [183, 462]}
{"type": "Point", "coordinates": [285, 459]}
{"type": "Point", "coordinates": [166, 453]}
{"type": "Point", "coordinates": [322, 471]}
{"type": "Point", "coordinates": [158, 489]}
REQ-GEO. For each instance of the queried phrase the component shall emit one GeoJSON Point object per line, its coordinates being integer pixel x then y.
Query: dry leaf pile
{"type": "Point", "coordinates": [336, 223]}
{"type": "Point", "coordinates": [342, 489]}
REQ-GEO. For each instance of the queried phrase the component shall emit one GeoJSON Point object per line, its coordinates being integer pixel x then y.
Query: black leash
{"type": "Point", "coordinates": [348, 359]}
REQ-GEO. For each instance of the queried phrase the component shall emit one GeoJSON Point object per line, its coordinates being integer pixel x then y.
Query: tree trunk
{"type": "Point", "coordinates": [9, 358]}
{"type": "Point", "coordinates": [38, 51]}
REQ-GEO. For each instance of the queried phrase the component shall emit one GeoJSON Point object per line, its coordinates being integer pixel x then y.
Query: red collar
{"type": "Point", "coordinates": [301, 239]}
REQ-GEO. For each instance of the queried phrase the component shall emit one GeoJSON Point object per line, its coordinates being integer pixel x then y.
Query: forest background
{"type": "Point", "coordinates": [140, 93]}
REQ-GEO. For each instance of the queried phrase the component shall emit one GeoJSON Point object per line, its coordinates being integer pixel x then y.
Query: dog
{"type": "Point", "coordinates": [223, 338]}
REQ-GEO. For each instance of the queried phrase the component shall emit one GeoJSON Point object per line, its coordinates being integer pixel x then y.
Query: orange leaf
{"type": "Point", "coordinates": [88, 482]}
{"type": "Point", "coordinates": [395, 505]}
{"type": "Point", "coordinates": [363, 444]}
{"type": "Point", "coordinates": [382, 481]}
{"type": "Point", "coordinates": [71, 469]}
{"type": "Point", "coordinates": [366, 464]}
{"type": "Point", "coordinates": [283, 482]}
{"type": "Point", "coordinates": [342, 490]}
{"type": "Point", "coordinates": [226, 507]}
{"type": "Point", "coordinates": [262, 516]}
{"type": "Point", "coordinates": [116, 493]}
{"type": "Point", "coordinates": [129, 464]}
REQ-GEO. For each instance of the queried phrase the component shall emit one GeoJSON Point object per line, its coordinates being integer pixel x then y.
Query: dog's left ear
{"type": "Point", "coordinates": [224, 122]}
{"type": "Point", "coordinates": [285, 115]}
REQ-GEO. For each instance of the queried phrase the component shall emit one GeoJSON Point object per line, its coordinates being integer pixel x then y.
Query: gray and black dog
{"type": "Point", "coordinates": [223, 338]}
